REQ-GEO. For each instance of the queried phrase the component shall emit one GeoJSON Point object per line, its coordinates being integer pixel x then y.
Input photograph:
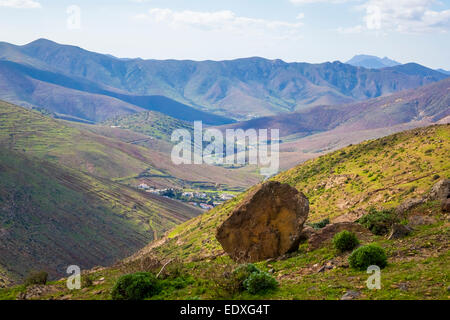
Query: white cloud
{"type": "Point", "coordinates": [351, 30]}
{"type": "Point", "coordinates": [224, 20]}
{"type": "Point", "coordinates": [302, 2]}
{"type": "Point", "coordinates": [20, 4]}
{"type": "Point", "coordinates": [406, 16]}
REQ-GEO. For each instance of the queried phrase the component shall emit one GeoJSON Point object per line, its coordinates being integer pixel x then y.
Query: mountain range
{"type": "Point", "coordinates": [430, 102]}
{"type": "Point", "coordinates": [79, 84]}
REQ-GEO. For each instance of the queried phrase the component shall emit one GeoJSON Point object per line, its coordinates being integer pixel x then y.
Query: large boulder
{"type": "Point", "coordinates": [266, 224]}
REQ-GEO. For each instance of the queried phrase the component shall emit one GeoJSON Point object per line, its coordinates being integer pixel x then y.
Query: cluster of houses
{"type": "Point", "coordinates": [197, 199]}
{"type": "Point", "coordinates": [147, 188]}
{"type": "Point", "coordinates": [200, 195]}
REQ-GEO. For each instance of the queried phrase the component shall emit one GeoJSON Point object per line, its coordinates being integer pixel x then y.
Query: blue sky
{"type": "Point", "coordinates": [292, 30]}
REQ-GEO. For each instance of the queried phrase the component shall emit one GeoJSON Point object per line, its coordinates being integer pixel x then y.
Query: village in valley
{"type": "Point", "coordinates": [204, 199]}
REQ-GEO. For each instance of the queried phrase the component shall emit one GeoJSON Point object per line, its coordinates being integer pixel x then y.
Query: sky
{"type": "Point", "coordinates": [312, 31]}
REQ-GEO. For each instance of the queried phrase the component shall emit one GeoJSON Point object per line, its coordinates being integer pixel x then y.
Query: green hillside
{"type": "Point", "coordinates": [104, 153]}
{"type": "Point", "coordinates": [150, 123]}
{"type": "Point", "coordinates": [380, 173]}
{"type": "Point", "coordinates": [417, 265]}
{"type": "Point", "coordinates": [52, 216]}
{"type": "Point", "coordinates": [42, 136]}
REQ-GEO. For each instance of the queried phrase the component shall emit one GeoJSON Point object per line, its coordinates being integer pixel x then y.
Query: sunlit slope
{"type": "Point", "coordinates": [381, 172]}
{"type": "Point", "coordinates": [150, 123]}
{"type": "Point", "coordinates": [339, 185]}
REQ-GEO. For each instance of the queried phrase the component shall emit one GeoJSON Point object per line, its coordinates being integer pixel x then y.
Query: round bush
{"type": "Point", "coordinates": [379, 222]}
{"type": "Point", "coordinates": [242, 272]}
{"type": "Point", "coordinates": [260, 282]}
{"type": "Point", "coordinates": [135, 286]}
{"type": "Point", "coordinates": [34, 278]}
{"type": "Point", "coordinates": [366, 256]}
{"type": "Point", "coordinates": [345, 241]}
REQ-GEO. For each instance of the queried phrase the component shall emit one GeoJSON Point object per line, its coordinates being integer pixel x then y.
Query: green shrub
{"type": "Point", "coordinates": [36, 277]}
{"type": "Point", "coordinates": [86, 281]}
{"type": "Point", "coordinates": [135, 286]}
{"type": "Point", "coordinates": [366, 256]}
{"type": "Point", "coordinates": [260, 282]}
{"type": "Point", "coordinates": [345, 241]}
{"type": "Point", "coordinates": [321, 224]}
{"type": "Point", "coordinates": [241, 273]}
{"type": "Point", "coordinates": [379, 222]}
{"type": "Point", "coordinates": [176, 283]}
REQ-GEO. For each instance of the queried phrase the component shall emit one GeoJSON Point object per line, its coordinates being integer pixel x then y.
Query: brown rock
{"type": "Point", "coordinates": [351, 295]}
{"type": "Point", "coordinates": [324, 235]}
{"type": "Point", "coordinates": [307, 233]}
{"type": "Point", "coordinates": [37, 292]}
{"type": "Point", "coordinates": [399, 231]}
{"type": "Point", "coordinates": [446, 205]}
{"type": "Point", "coordinates": [419, 220]}
{"type": "Point", "coordinates": [440, 191]}
{"type": "Point", "coordinates": [266, 224]}
{"type": "Point", "coordinates": [408, 204]}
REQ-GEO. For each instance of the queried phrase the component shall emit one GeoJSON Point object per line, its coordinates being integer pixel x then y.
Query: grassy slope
{"type": "Point", "coordinates": [150, 123]}
{"type": "Point", "coordinates": [389, 170]}
{"type": "Point", "coordinates": [102, 155]}
{"type": "Point", "coordinates": [419, 261]}
{"type": "Point", "coordinates": [380, 172]}
{"type": "Point", "coordinates": [49, 139]}
{"type": "Point", "coordinates": [52, 216]}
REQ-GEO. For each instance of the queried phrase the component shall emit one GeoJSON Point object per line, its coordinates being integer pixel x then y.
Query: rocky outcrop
{"type": "Point", "coordinates": [351, 295]}
{"type": "Point", "coordinates": [266, 224]}
{"type": "Point", "coordinates": [446, 205]}
{"type": "Point", "coordinates": [307, 233]}
{"type": "Point", "coordinates": [399, 231]}
{"type": "Point", "coordinates": [420, 219]}
{"type": "Point", "coordinates": [37, 292]}
{"type": "Point", "coordinates": [440, 191]}
{"type": "Point", "coordinates": [326, 234]}
{"type": "Point", "coordinates": [408, 204]}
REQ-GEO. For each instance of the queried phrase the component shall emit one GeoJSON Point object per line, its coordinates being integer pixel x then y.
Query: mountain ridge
{"type": "Point", "coordinates": [431, 101]}
{"type": "Point", "coordinates": [241, 89]}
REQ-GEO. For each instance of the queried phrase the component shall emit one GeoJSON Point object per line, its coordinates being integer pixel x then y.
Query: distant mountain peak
{"type": "Point", "coordinates": [372, 62]}
{"type": "Point", "coordinates": [41, 41]}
